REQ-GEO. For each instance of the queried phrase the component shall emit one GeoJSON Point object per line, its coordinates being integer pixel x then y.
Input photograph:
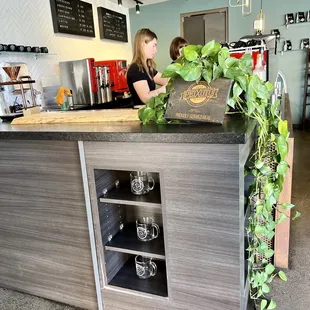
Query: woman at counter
{"type": "Point", "coordinates": [176, 47]}
{"type": "Point", "coordinates": [142, 76]}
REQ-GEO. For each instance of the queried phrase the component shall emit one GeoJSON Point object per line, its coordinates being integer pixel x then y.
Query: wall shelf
{"type": "Point", "coordinates": [296, 24]}
{"type": "Point", "coordinates": [122, 195]}
{"type": "Point", "coordinates": [127, 278]}
{"type": "Point", "coordinates": [294, 50]}
{"type": "Point", "coordinates": [126, 241]}
{"type": "Point", "coordinates": [35, 55]}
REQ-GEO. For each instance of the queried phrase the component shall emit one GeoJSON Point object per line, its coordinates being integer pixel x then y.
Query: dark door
{"type": "Point", "coordinates": [202, 27]}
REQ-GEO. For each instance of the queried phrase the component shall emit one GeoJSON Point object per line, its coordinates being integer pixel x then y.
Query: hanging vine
{"type": "Point", "coordinates": [250, 96]}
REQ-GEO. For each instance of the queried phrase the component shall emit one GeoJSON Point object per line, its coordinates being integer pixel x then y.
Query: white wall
{"type": "Point", "coordinates": [29, 22]}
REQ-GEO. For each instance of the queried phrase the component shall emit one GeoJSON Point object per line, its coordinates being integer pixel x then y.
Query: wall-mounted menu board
{"type": "Point", "coordinates": [73, 17]}
{"type": "Point", "coordinates": [112, 25]}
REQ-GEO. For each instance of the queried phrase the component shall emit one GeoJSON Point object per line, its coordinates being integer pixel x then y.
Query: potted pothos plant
{"type": "Point", "coordinates": [250, 96]}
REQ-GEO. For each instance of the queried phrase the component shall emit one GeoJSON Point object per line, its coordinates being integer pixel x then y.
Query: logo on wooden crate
{"type": "Point", "coordinates": [200, 102]}
{"type": "Point", "coordinates": [199, 94]}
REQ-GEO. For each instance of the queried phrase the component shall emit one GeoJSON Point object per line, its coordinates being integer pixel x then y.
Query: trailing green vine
{"type": "Point", "coordinates": [250, 96]}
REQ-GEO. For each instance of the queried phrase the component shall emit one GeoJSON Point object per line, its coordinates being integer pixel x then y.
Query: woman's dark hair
{"type": "Point", "coordinates": [175, 46]}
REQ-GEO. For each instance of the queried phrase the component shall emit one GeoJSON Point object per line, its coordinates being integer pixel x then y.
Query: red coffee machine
{"type": "Point", "coordinates": [118, 71]}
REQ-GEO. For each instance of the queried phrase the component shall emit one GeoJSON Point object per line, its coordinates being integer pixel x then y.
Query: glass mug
{"type": "Point", "coordinates": [145, 267]}
{"type": "Point", "coordinates": [147, 229]}
{"type": "Point", "coordinates": [140, 182]}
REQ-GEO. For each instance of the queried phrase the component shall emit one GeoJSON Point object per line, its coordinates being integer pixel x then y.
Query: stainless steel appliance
{"type": "Point", "coordinates": [104, 84]}
{"type": "Point", "coordinates": [80, 77]}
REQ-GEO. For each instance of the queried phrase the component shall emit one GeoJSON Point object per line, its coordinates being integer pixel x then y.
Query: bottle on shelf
{"type": "Point", "coordinates": [28, 49]}
{"type": "Point", "coordinates": [44, 49]}
{"type": "Point", "coordinates": [20, 48]}
{"type": "Point", "coordinates": [12, 48]}
{"type": "Point", "coordinates": [36, 49]}
{"type": "Point", "coordinates": [260, 69]}
{"type": "Point", "coordinates": [3, 47]}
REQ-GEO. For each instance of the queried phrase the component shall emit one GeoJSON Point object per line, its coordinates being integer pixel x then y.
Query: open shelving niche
{"type": "Point", "coordinates": [118, 210]}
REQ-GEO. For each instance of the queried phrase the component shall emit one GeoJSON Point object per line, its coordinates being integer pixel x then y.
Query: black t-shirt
{"type": "Point", "coordinates": [134, 74]}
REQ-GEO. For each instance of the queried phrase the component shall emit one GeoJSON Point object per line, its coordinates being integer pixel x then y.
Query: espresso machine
{"type": "Point", "coordinates": [93, 82]}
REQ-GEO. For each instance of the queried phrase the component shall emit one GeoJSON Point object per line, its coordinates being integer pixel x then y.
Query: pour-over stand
{"type": "Point", "coordinates": [12, 72]}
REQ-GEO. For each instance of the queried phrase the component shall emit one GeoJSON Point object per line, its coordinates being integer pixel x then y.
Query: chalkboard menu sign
{"type": "Point", "coordinates": [73, 17]}
{"type": "Point", "coordinates": [112, 25]}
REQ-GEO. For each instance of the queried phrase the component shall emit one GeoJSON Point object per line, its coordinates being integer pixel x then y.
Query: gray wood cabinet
{"type": "Point", "coordinates": [44, 239]}
{"type": "Point", "coordinates": [202, 214]}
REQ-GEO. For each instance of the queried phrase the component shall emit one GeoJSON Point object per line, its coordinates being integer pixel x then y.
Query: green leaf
{"type": "Point", "coordinates": [140, 113]}
{"type": "Point", "coordinates": [231, 73]}
{"type": "Point", "coordinates": [147, 114]}
{"type": "Point", "coordinates": [282, 218]}
{"type": "Point", "coordinates": [259, 209]}
{"type": "Point", "coordinates": [265, 170]}
{"type": "Point", "coordinates": [211, 48]}
{"type": "Point", "coordinates": [222, 63]}
{"type": "Point", "coordinates": [151, 103]}
{"type": "Point", "coordinates": [283, 128]}
{"type": "Point", "coordinates": [287, 206]}
{"type": "Point", "coordinates": [245, 64]}
{"type": "Point", "coordinates": [237, 90]}
{"type": "Point", "coordinates": [263, 247]}
{"type": "Point", "coordinates": [190, 52]}
{"type": "Point", "coordinates": [243, 81]}
{"type": "Point", "coordinates": [269, 253]}
{"type": "Point", "coordinates": [268, 189]}
{"type": "Point", "coordinates": [269, 86]}
{"type": "Point", "coordinates": [270, 269]}
{"type": "Point", "coordinates": [272, 137]}
{"type": "Point", "coordinates": [282, 168]}
{"type": "Point", "coordinates": [297, 215]}
{"type": "Point", "coordinates": [217, 71]}
{"type": "Point", "coordinates": [171, 70]}
{"type": "Point", "coordinates": [251, 106]}
{"type": "Point", "coordinates": [272, 305]}
{"type": "Point", "coordinates": [265, 288]}
{"type": "Point", "coordinates": [191, 72]}
{"type": "Point", "coordinates": [282, 276]}
{"type": "Point", "coordinates": [282, 147]}
{"type": "Point", "coordinates": [263, 304]}
{"type": "Point", "coordinates": [231, 102]}
{"type": "Point", "coordinates": [259, 230]}
{"type": "Point", "coordinates": [225, 53]}
{"type": "Point", "coordinates": [207, 74]}
{"type": "Point", "coordinates": [231, 61]}
{"type": "Point", "coordinates": [269, 235]}
{"type": "Point", "coordinates": [259, 164]}
{"type": "Point", "coordinates": [274, 108]}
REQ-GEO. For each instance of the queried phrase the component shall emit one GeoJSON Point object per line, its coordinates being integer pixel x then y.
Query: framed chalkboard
{"type": "Point", "coordinates": [112, 25]}
{"type": "Point", "coordinates": [73, 17]}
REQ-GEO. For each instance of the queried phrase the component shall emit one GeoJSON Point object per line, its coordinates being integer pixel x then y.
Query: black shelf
{"type": "Point", "coordinates": [123, 195]}
{"type": "Point", "coordinates": [296, 24]}
{"type": "Point", "coordinates": [127, 278]}
{"type": "Point", "coordinates": [126, 241]}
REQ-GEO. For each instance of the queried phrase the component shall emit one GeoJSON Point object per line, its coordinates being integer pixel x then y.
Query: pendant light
{"type": "Point", "coordinates": [138, 6]}
{"type": "Point", "coordinates": [120, 3]}
{"type": "Point", "coordinates": [259, 24]}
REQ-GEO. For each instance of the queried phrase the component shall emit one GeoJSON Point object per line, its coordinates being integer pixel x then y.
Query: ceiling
{"type": "Point", "coordinates": [131, 3]}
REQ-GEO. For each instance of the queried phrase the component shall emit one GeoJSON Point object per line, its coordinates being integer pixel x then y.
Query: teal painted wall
{"type": "Point", "coordinates": [164, 20]}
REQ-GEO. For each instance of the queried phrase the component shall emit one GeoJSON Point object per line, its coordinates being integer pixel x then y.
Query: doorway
{"type": "Point", "coordinates": [204, 26]}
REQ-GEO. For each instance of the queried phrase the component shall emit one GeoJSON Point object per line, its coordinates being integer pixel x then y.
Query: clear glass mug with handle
{"type": "Point", "coordinates": [147, 229]}
{"type": "Point", "coordinates": [145, 267]}
{"type": "Point", "coordinates": [140, 182]}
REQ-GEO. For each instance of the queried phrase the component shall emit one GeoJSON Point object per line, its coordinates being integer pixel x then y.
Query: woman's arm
{"type": "Point", "coordinates": [159, 80]}
{"type": "Point", "coordinates": [143, 90]}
